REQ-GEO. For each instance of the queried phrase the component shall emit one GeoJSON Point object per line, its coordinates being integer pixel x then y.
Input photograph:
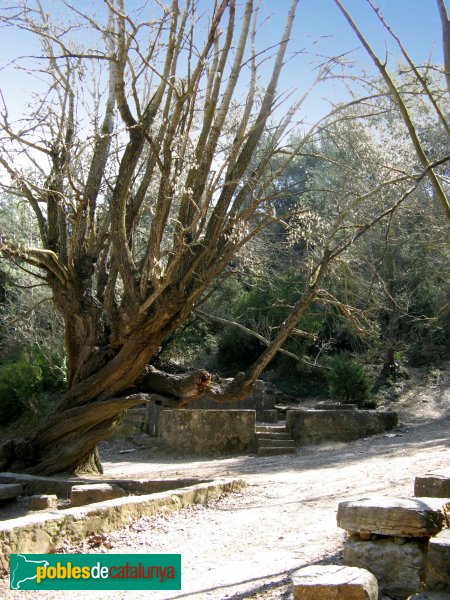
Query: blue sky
{"type": "Point", "coordinates": [320, 29]}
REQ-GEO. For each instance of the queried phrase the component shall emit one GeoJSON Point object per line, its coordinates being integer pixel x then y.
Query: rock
{"type": "Point", "coordinates": [8, 491]}
{"type": "Point", "coordinates": [438, 563]}
{"type": "Point", "coordinates": [318, 426]}
{"type": "Point", "coordinates": [97, 492]}
{"type": "Point", "coordinates": [433, 485]}
{"type": "Point", "coordinates": [399, 569]}
{"type": "Point", "coordinates": [42, 501]}
{"type": "Point", "coordinates": [392, 516]}
{"type": "Point", "coordinates": [334, 582]}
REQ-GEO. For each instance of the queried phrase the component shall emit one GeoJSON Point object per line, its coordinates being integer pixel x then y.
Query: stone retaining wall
{"type": "Point", "coordinates": [208, 431]}
{"type": "Point", "coordinates": [309, 427]}
{"type": "Point", "coordinates": [40, 532]}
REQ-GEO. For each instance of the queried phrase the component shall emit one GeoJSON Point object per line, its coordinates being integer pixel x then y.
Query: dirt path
{"type": "Point", "coordinates": [246, 545]}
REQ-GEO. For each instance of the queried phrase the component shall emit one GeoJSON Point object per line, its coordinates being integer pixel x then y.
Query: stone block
{"type": "Point", "coordinates": [438, 563]}
{"type": "Point", "coordinates": [399, 568]}
{"type": "Point", "coordinates": [334, 582]}
{"type": "Point", "coordinates": [42, 501]}
{"type": "Point", "coordinates": [393, 516]}
{"type": "Point", "coordinates": [309, 427]}
{"type": "Point", "coordinates": [9, 491]}
{"type": "Point", "coordinates": [433, 485]}
{"type": "Point", "coordinates": [98, 492]}
{"type": "Point", "coordinates": [203, 432]}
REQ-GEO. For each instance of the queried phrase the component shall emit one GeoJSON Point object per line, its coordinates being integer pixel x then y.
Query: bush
{"type": "Point", "coordinates": [237, 351]}
{"type": "Point", "coordinates": [25, 378]}
{"type": "Point", "coordinates": [349, 382]}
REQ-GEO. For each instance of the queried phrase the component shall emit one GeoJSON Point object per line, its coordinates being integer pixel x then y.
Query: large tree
{"type": "Point", "coordinates": [147, 174]}
{"type": "Point", "coordinates": [141, 196]}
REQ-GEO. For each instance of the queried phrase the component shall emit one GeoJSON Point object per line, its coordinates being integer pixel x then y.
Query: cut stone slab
{"type": "Point", "coordinates": [9, 491]}
{"type": "Point", "coordinates": [394, 516]}
{"type": "Point", "coordinates": [399, 568]}
{"type": "Point", "coordinates": [433, 485]}
{"type": "Point", "coordinates": [334, 582]}
{"type": "Point", "coordinates": [97, 492]}
{"type": "Point", "coordinates": [438, 563]}
{"type": "Point", "coordinates": [42, 501]}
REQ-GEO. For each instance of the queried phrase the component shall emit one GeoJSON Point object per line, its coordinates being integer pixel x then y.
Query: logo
{"type": "Point", "coordinates": [95, 572]}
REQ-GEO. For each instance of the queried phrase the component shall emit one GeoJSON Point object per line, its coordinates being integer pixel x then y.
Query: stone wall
{"type": "Point", "coordinates": [261, 400]}
{"type": "Point", "coordinates": [309, 427]}
{"type": "Point", "coordinates": [208, 431]}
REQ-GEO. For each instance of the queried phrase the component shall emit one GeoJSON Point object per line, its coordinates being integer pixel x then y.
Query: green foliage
{"type": "Point", "coordinates": [188, 345]}
{"type": "Point", "coordinates": [237, 351]}
{"type": "Point", "coordinates": [430, 343]}
{"type": "Point", "coordinates": [26, 379]}
{"type": "Point", "coordinates": [349, 381]}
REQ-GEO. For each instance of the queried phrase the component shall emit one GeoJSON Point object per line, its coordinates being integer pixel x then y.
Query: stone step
{"type": "Point", "coordinates": [275, 451]}
{"type": "Point", "coordinates": [394, 516]}
{"type": "Point", "coordinates": [433, 485]}
{"type": "Point", "coordinates": [438, 563]}
{"type": "Point", "coordinates": [9, 491]}
{"type": "Point", "coordinates": [277, 443]}
{"type": "Point", "coordinates": [270, 428]}
{"type": "Point", "coordinates": [273, 436]}
{"type": "Point", "coordinates": [334, 582]}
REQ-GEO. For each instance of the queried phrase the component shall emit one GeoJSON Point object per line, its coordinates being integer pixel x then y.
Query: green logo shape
{"type": "Point", "coordinates": [95, 572]}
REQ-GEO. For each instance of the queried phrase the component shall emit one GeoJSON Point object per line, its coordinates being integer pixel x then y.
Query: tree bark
{"type": "Point", "coordinates": [185, 385]}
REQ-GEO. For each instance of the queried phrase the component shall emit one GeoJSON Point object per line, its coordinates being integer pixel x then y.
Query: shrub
{"type": "Point", "coordinates": [25, 378]}
{"type": "Point", "coordinates": [349, 381]}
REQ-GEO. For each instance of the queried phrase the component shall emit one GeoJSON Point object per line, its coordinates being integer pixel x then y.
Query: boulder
{"type": "Point", "coordinates": [399, 568]}
{"type": "Point", "coordinates": [334, 582]}
{"type": "Point", "coordinates": [433, 485]}
{"type": "Point", "coordinates": [438, 563]}
{"type": "Point", "coordinates": [97, 492]}
{"type": "Point", "coordinates": [393, 516]}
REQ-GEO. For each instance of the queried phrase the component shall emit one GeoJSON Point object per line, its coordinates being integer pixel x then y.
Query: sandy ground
{"type": "Point", "coordinates": [246, 545]}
